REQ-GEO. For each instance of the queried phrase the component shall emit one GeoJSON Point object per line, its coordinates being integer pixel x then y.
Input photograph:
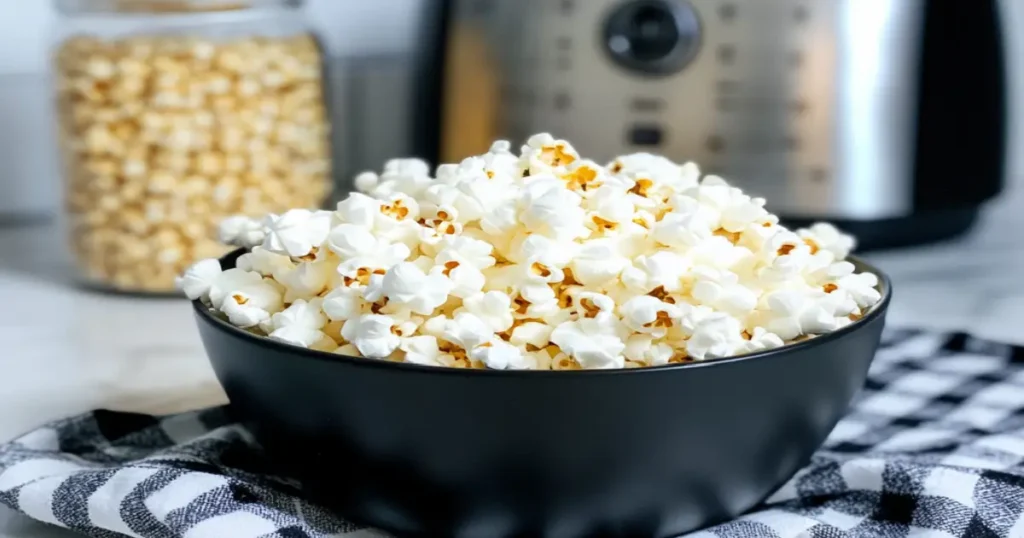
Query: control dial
{"type": "Point", "coordinates": [654, 37]}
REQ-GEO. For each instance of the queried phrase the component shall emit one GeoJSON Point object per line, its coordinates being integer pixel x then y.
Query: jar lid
{"type": "Point", "coordinates": [165, 6]}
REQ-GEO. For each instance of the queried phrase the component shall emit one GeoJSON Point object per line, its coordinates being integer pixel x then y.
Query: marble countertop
{"type": "Point", "coordinates": [67, 350]}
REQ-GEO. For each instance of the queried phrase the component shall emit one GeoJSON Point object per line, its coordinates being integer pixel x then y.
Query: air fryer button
{"type": "Point", "coordinates": [801, 14]}
{"type": "Point", "coordinates": [727, 12]}
{"type": "Point", "coordinates": [726, 54]}
{"type": "Point", "coordinates": [715, 144]}
{"type": "Point", "coordinates": [654, 37]}
{"type": "Point", "coordinates": [795, 59]}
{"type": "Point", "coordinates": [562, 101]}
{"type": "Point", "coordinates": [482, 7]}
{"type": "Point", "coordinates": [727, 86]}
{"type": "Point", "coordinates": [645, 135]}
{"type": "Point", "coordinates": [647, 104]}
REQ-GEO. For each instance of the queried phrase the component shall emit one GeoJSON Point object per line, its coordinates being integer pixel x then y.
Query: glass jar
{"type": "Point", "coordinates": [173, 115]}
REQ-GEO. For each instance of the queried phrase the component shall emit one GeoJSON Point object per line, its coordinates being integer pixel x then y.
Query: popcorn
{"type": "Point", "coordinates": [358, 248]}
{"type": "Point", "coordinates": [500, 157]}
{"type": "Point", "coordinates": [198, 279]}
{"type": "Point", "coordinates": [543, 154]}
{"type": "Point", "coordinates": [344, 303]}
{"type": "Point", "coordinates": [242, 314]}
{"type": "Point", "coordinates": [760, 340]}
{"type": "Point", "coordinates": [824, 236]}
{"type": "Point", "coordinates": [493, 308]}
{"type": "Point", "coordinates": [467, 331]}
{"type": "Point", "coordinates": [645, 349]}
{"type": "Point", "coordinates": [685, 226]}
{"type": "Point", "coordinates": [610, 210]}
{"type": "Point", "coordinates": [649, 315]}
{"type": "Point", "coordinates": [585, 176]}
{"type": "Point", "coordinates": [717, 335]}
{"type": "Point", "coordinates": [359, 210]}
{"type": "Point", "coordinates": [499, 355]}
{"type": "Point", "coordinates": [663, 269]}
{"type": "Point", "coordinates": [371, 334]}
{"type": "Point", "coordinates": [407, 176]}
{"type": "Point", "coordinates": [466, 250]}
{"type": "Point", "coordinates": [298, 335]}
{"type": "Point", "coordinates": [587, 304]}
{"type": "Point", "coordinates": [542, 260]}
{"type": "Point", "coordinates": [500, 222]}
{"type": "Point", "coordinates": [264, 262]}
{"type": "Point", "coordinates": [540, 270]}
{"type": "Point", "coordinates": [396, 220]}
{"type": "Point", "coordinates": [593, 342]}
{"type": "Point", "coordinates": [549, 209]}
{"type": "Point", "coordinates": [822, 270]}
{"type": "Point", "coordinates": [722, 290]}
{"type": "Point", "coordinates": [787, 244]}
{"type": "Point", "coordinates": [229, 282]}
{"type": "Point", "coordinates": [674, 177]}
{"type": "Point", "coordinates": [555, 254]}
{"type": "Point", "coordinates": [306, 280]}
{"type": "Point", "coordinates": [531, 334]}
{"type": "Point", "coordinates": [597, 262]}
{"type": "Point", "coordinates": [301, 313]}
{"type": "Point", "coordinates": [791, 313]}
{"type": "Point", "coordinates": [862, 288]}
{"type": "Point", "coordinates": [535, 302]}
{"type": "Point", "coordinates": [466, 280]}
{"type": "Point", "coordinates": [366, 181]}
{"type": "Point", "coordinates": [241, 231]}
{"type": "Point", "coordinates": [719, 252]}
{"type": "Point", "coordinates": [421, 350]}
{"type": "Point", "coordinates": [406, 285]}
{"type": "Point", "coordinates": [480, 196]}
{"type": "Point", "coordinates": [252, 304]}
{"type": "Point", "coordinates": [297, 232]}
{"type": "Point", "coordinates": [348, 350]}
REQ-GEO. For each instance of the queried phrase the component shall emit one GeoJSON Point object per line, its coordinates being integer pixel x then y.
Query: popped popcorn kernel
{"type": "Point", "coordinates": [542, 260]}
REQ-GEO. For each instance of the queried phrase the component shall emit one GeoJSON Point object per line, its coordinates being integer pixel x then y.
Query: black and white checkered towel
{"type": "Point", "coordinates": [934, 447]}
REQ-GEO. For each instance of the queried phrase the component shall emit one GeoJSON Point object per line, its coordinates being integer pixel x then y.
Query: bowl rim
{"type": "Point", "coordinates": [204, 313]}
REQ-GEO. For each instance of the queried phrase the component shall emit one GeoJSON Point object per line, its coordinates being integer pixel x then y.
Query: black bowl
{"type": "Point", "coordinates": [445, 452]}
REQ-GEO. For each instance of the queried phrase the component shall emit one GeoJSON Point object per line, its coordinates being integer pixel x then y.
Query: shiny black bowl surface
{"type": "Point", "coordinates": [430, 451]}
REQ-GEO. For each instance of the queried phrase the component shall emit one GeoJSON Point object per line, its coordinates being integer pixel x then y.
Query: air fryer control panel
{"type": "Point", "coordinates": [810, 103]}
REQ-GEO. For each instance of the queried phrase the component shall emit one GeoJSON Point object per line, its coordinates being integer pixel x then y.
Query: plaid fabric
{"type": "Point", "coordinates": [933, 447]}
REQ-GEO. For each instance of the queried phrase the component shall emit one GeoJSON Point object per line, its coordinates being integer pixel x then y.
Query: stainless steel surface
{"type": "Point", "coordinates": [371, 113]}
{"type": "Point", "coordinates": [879, 47]}
{"type": "Point", "coordinates": [809, 103]}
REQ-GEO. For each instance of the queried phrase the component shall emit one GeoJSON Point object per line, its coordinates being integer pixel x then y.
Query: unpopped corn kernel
{"type": "Point", "coordinates": [151, 135]}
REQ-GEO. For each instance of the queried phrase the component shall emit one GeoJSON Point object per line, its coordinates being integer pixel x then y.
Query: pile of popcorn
{"type": "Point", "coordinates": [542, 260]}
{"type": "Point", "coordinates": [165, 136]}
